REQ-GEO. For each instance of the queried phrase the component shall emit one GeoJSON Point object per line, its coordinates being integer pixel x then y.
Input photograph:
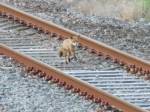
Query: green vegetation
{"type": "Point", "coordinates": [147, 9]}
{"type": "Point", "coordinates": [147, 4]}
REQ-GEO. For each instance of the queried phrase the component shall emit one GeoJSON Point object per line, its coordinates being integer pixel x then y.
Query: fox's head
{"type": "Point", "coordinates": [75, 40]}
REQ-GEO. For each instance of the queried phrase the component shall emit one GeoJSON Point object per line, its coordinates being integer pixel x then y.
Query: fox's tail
{"type": "Point", "coordinates": [60, 53]}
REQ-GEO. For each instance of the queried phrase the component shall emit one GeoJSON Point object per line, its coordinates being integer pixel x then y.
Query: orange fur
{"type": "Point", "coordinates": [67, 48]}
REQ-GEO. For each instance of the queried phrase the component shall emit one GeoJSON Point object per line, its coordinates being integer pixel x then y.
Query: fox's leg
{"type": "Point", "coordinates": [73, 54]}
{"type": "Point", "coordinates": [66, 60]}
{"type": "Point", "coordinates": [68, 56]}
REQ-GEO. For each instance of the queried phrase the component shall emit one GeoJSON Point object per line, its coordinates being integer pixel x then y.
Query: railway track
{"type": "Point", "coordinates": [52, 75]}
{"type": "Point", "coordinates": [47, 55]}
{"type": "Point", "coordinates": [113, 32]}
{"type": "Point", "coordinates": [21, 91]}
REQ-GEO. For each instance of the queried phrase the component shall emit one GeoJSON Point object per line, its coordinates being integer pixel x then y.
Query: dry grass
{"type": "Point", "coordinates": [122, 9]}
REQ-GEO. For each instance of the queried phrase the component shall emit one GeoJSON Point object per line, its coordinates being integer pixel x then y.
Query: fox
{"type": "Point", "coordinates": [67, 48]}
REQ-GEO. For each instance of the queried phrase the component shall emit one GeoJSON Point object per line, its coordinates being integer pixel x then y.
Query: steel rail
{"type": "Point", "coordinates": [130, 62]}
{"type": "Point", "coordinates": [74, 83]}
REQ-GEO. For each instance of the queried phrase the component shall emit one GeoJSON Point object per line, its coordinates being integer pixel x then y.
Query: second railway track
{"type": "Point", "coordinates": [36, 68]}
{"type": "Point", "coordinates": [117, 82]}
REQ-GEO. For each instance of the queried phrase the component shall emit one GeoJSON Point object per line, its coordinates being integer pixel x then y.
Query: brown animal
{"type": "Point", "coordinates": [67, 48]}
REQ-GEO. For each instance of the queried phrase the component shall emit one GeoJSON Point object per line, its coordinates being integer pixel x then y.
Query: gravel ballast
{"type": "Point", "coordinates": [22, 93]}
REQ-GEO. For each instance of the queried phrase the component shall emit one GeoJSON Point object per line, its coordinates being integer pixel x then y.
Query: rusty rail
{"type": "Point", "coordinates": [73, 83]}
{"type": "Point", "coordinates": [131, 63]}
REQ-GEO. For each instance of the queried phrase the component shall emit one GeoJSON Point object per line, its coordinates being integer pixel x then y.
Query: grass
{"type": "Point", "coordinates": [129, 10]}
{"type": "Point", "coordinates": [147, 9]}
